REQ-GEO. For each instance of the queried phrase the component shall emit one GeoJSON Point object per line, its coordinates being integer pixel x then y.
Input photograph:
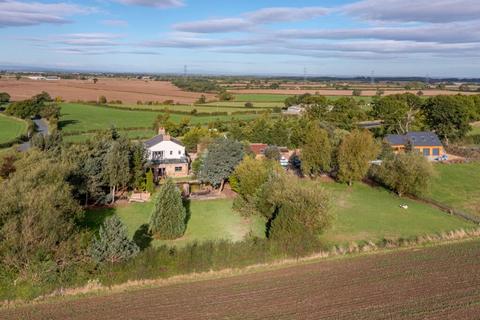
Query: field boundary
{"type": "Point", "coordinates": [450, 210]}
{"type": "Point", "coordinates": [354, 249]}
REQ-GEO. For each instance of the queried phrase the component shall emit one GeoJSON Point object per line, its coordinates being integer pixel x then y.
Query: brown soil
{"type": "Point", "coordinates": [333, 92]}
{"type": "Point", "coordinates": [441, 282]}
{"type": "Point", "coordinates": [129, 91]}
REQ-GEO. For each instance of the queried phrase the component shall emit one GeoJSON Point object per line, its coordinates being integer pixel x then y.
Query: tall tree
{"type": "Point", "coordinates": [222, 157]}
{"type": "Point", "coordinates": [449, 116]}
{"type": "Point", "coordinates": [316, 153]}
{"type": "Point", "coordinates": [354, 154]}
{"type": "Point", "coordinates": [113, 244]}
{"type": "Point", "coordinates": [117, 166]}
{"type": "Point", "coordinates": [168, 216]}
{"type": "Point", "coordinates": [400, 112]}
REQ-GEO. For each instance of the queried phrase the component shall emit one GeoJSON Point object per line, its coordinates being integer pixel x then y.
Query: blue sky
{"type": "Point", "coordinates": [333, 37]}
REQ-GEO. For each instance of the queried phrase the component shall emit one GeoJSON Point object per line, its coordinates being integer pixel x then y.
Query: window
{"type": "Point", "coordinates": [157, 155]}
{"type": "Point", "coordinates": [178, 169]}
{"type": "Point", "coordinates": [179, 152]}
{"type": "Point", "coordinates": [426, 152]}
{"type": "Point", "coordinates": [436, 152]}
{"type": "Point", "coordinates": [171, 152]}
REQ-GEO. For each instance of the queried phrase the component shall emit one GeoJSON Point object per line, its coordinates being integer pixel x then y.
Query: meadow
{"type": "Point", "coordinates": [11, 128]}
{"type": "Point", "coordinates": [458, 186]}
{"type": "Point", "coordinates": [208, 220]}
{"type": "Point", "coordinates": [362, 212]}
{"type": "Point", "coordinates": [204, 108]}
{"type": "Point", "coordinates": [80, 118]}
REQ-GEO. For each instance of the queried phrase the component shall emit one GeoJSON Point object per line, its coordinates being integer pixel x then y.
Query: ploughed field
{"type": "Point", "coordinates": [127, 90]}
{"type": "Point", "coordinates": [441, 282]}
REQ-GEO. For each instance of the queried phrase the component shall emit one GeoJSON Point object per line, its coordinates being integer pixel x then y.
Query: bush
{"type": "Point", "coordinates": [113, 244]}
{"type": "Point", "coordinates": [294, 209]}
{"type": "Point", "coordinates": [405, 173]}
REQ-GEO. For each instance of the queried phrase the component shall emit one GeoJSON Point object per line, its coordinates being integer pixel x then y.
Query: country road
{"type": "Point", "coordinates": [42, 128]}
{"type": "Point", "coordinates": [441, 282]}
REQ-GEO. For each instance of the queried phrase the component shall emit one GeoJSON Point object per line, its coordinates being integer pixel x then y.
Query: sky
{"type": "Point", "coordinates": [435, 38]}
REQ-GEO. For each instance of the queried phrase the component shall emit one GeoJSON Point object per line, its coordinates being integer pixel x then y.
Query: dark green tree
{"type": "Point", "coordinates": [149, 185]}
{"type": "Point", "coordinates": [449, 116]}
{"type": "Point", "coordinates": [169, 215]}
{"type": "Point", "coordinates": [113, 244]}
{"type": "Point", "coordinates": [221, 159]}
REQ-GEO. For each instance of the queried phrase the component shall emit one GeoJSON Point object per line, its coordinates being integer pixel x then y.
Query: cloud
{"type": "Point", "coordinates": [443, 33]}
{"type": "Point", "coordinates": [436, 11]}
{"type": "Point", "coordinates": [162, 4]}
{"type": "Point", "coordinates": [250, 20]}
{"type": "Point", "coordinates": [286, 14]}
{"type": "Point", "coordinates": [20, 13]}
{"type": "Point", "coordinates": [115, 23]}
{"type": "Point", "coordinates": [194, 42]}
{"type": "Point", "coordinates": [101, 51]}
{"type": "Point", "coordinates": [88, 39]}
{"type": "Point", "coordinates": [214, 25]}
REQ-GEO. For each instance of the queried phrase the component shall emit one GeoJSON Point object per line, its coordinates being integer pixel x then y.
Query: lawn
{"type": "Point", "coordinates": [458, 185]}
{"type": "Point", "coordinates": [11, 128]}
{"type": "Point", "coordinates": [475, 129]}
{"type": "Point", "coordinates": [81, 118]}
{"type": "Point", "coordinates": [209, 220]}
{"type": "Point", "coordinates": [366, 213]}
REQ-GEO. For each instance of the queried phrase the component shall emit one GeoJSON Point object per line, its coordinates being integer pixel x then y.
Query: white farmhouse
{"type": "Point", "coordinates": [166, 156]}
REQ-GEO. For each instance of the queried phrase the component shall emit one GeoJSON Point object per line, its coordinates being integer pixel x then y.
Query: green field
{"type": "Point", "coordinates": [11, 128]}
{"type": "Point", "coordinates": [140, 134]}
{"type": "Point", "coordinates": [458, 186]}
{"type": "Point", "coordinates": [82, 118]}
{"type": "Point", "coordinates": [240, 105]}
{"type": "Point", "coordinates": [209, 220]}
{"type": "Point", "coordinates": [366, 213]}
{"type": "Point", "coordinates": [207, 108]}
{"type": "Point", "coordinates": [261, 97]}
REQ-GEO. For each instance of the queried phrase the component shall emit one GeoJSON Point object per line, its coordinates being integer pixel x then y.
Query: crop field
{"type": "Point", "coordinates": [458, 186]}
{"type": "Point", "coordinates": [10, 128]}
{"type": "Point", "coordinates": [81, 118]}
{"type": "Point", "coordinates": [440, 282]}
{"type": "Point", "coordinates": [272, 97]}
{"type": "Point", "coordinates": [127, 90]}
{"type": "Point", "coordinates": [334, 92]}
{"type": "Point", "coordinates": [209, 220]}
{"type": "Point", "coordinates": [366, 213]}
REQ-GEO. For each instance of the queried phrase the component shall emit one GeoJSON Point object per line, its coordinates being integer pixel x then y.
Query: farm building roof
{"type": "Point", "coordinates": [160, 138]}
{"type": "Point", "coordinates": [419, 139]}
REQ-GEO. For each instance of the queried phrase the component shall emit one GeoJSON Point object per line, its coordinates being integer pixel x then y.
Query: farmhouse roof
{"type": "Point", "coordinates": [258, 148]}
{"type": "Point", "coordinates": [160, 138]}
{"type": "Point", "coordinates": [419, 139]}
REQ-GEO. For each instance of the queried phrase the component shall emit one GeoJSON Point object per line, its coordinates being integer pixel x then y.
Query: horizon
{"type": "Point", "coordinates": [340, 38]}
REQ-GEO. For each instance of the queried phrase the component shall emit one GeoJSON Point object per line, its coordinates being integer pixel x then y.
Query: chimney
{"type": "Point", "coordinates": [161, 131]}
{"type": "Point", "coordinates": [166, 137]}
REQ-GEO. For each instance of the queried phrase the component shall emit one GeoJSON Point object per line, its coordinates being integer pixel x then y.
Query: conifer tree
{"type": "Point", "coordinates": [168, 216]}
{"type": "Point", "coordinates": [150, 187]}
{"type": "Point", "coordinates": [113, 244]}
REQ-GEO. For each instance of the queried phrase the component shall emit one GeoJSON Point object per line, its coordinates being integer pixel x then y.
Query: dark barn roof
{"type": "Point", "coordinates": [418, 139]}
{"type": "Point", "coordinates": [160, 138]}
